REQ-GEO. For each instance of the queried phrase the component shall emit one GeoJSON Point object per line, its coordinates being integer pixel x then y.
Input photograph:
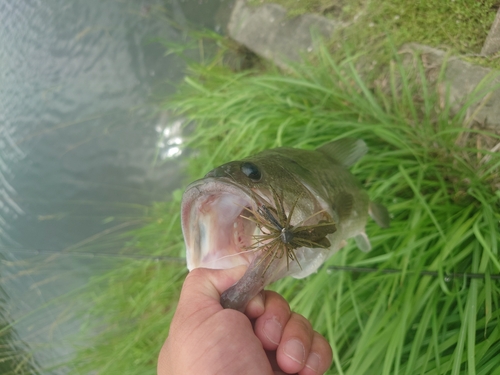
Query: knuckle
{"type": "Point", "coordinates": [302, 322]}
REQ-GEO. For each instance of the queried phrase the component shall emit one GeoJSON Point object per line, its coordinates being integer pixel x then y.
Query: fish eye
{"type": "Point", "coordinates": [251, 171]}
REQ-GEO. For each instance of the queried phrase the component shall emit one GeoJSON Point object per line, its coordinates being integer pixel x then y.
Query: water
{"type": "Point", "coordinates": [82, 149]}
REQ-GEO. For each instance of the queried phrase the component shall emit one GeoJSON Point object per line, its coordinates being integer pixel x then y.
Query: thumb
{"type": "Point", "coordinates": [205, 283]}
{"type": "Point", "coordinates": [203, 287]}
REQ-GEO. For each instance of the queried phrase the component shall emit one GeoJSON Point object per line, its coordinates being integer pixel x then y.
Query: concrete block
{"type": "Point", "coordinates": [492, 44]}
{"type": "Point", "coordinates": [462, 78]}
{"type": "Point", "coordinates": [270, 33]}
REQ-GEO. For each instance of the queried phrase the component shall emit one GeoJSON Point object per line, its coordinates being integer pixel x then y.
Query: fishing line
{"type": "Point", "coordinates": [447, 276]}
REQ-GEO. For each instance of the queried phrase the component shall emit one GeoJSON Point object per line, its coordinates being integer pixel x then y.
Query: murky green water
{"type": "Point", "coordinates": [82, 150]}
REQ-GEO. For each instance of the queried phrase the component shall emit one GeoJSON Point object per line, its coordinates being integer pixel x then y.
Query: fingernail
{"type": "Point", "coordinates": [295, 350]}
{"type": "Point", "coordinates": [313, 362]}
{"type": "Point", "coordinates": [272, 330]}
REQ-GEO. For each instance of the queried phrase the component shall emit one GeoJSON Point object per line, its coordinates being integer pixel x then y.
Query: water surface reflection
{"type": "Point", "coordinates": [78, 145]}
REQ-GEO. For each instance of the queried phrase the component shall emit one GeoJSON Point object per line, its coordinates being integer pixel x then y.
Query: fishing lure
{"type": "Point", "coordinates": [279, 238]}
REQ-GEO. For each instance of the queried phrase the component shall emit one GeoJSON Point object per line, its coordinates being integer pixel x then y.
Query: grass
{"type": "Point", "coordinates": [14, 356]}
{"type": "Point", "coordinates": [441, 188]}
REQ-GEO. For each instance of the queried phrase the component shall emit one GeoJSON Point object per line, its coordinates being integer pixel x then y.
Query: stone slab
{"type": "Point", "coordinates": [492, 44]}
{"type": "Point", "coordinates": [462, 78]}
{"type": "Point", "coordinates": [270, 33]}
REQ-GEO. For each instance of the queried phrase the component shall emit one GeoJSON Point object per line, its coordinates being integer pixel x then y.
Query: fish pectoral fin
{"type": "Point", "coordinates": [380, 214]}
{"type": "Point", "coordinates": [363, 242]}
{"type": "Point", "coordinates": [343, 206]}
{"type": "Point", "coordinates": [346, 151]}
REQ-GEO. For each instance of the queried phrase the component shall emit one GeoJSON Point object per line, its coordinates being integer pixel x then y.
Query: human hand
{"type": "Point", "coordinates": [205, 339]}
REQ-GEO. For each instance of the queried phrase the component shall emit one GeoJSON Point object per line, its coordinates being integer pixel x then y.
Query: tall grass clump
{"type": "Point", "coordinates": [438, 179]}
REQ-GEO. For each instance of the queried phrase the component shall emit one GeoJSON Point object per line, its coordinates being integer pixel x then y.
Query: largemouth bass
{"type": "Point", "coordinates": [280, 212]}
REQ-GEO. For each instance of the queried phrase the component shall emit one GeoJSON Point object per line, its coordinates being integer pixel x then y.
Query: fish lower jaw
{"type": "Point", "coordinates": [218, 228]}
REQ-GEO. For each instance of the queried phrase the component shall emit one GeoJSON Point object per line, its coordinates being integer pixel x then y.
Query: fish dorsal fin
{"type": "Point", "coordinates": [346, 151]}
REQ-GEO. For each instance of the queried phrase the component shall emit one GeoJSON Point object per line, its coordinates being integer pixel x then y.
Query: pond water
{"type": "Point", "coordinates": [83, 149]}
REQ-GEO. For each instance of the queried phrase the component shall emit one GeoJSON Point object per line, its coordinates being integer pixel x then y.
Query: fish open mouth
{"type": "Point", "coordinates": [217, 225]}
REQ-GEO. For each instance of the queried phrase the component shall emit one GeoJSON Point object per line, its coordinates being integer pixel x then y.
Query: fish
{"type": "Point", "coordinates": [281, 212]}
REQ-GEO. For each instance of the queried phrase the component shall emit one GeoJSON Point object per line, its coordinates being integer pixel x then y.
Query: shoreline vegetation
{"type": "Point", "coordinates": [436, 171]}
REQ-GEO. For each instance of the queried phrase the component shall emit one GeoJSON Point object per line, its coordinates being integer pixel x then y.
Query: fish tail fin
{"type": "Point", "coordinates": [380, 214]}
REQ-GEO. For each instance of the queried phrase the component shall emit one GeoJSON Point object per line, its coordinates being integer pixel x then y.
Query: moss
{"type": "Point", "coordinates": [460, 25]}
